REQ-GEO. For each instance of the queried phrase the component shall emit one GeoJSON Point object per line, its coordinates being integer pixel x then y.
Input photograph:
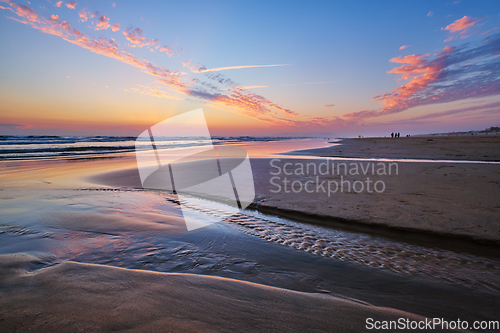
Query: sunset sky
{"type": "Point", "coordinates": [255, 67]}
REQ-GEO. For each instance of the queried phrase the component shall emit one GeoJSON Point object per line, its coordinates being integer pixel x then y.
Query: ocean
{"type": "Point", "coordinates": [47, 146]}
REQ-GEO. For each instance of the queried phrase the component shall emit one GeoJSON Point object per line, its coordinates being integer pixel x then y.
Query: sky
{"type": "Point", "coordinates": [258, 68]}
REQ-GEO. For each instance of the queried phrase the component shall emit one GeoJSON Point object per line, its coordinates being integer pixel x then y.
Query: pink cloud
{"type": "Point", "coordinates": [100, 46]}
{"type": "Point", "coordinates": [489, 31]}
{"type": "Point", "coordinates": [135, 36]}
{"type": "Point", "coordinates": [150, 91]}
{"type": "Point", "coordinates": [58, 4]}
{"type": "Point", "coordinates": [404, 47]}
{"type": "Point", "coordinates": [22, 11]}
{"type": "Point", "coordinates": [461, 24]}
{"type": "Point", "coordinates": [218, 94]}
{"type": "Point", "coordinates": [329, 105]}
{"type": "Point", "coordinates": [167, 50]}
{"type": "Point", "coordinates": [115, 27]}
{"type": "Point", "coordinates": [102, 23]}
{"type": "Point", "coordinates": [454, 74]}
{"type": "Point", "coordinates": [84, 15]}
{"type": "Point", "coordinates": [71, 4]}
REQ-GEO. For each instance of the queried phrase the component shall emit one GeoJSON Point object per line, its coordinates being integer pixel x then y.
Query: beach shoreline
{"type": "Point", "coordinates": [472, 148]}
{"type": "Point", "coordinates": [67, 201]}
{"type": "Point", "coordinates": [439, 199]}
{"type": "Point", "coordinates": [75, 296]}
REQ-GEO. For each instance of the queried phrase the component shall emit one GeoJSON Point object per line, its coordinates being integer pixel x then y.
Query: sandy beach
{"type": "Point", "coordinates": [471, 148]}
{"type": "Point", "coordinates": [84, 247]}
{"type": "Point", "coordinates": [249, 166]}
{"type": "Point", "coordinates": [72, 296]}
{"type": "Point", "coordinates": [453, 199]}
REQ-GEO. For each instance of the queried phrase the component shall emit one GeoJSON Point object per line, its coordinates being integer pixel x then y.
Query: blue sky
{"type": "Point", "coordinates": [334, 59]}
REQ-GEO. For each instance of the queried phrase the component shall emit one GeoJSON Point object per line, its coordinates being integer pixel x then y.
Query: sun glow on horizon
{"type": "Point", "coordinates": [104, 69]}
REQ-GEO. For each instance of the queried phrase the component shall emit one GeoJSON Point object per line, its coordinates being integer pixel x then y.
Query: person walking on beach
{"type": "Point", "coordinates": [392, 134]}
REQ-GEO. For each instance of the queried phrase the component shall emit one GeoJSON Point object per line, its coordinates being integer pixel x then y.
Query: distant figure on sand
{"type": "Point", "coordinates": [392, 134]}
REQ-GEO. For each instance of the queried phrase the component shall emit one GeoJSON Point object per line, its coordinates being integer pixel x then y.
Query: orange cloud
{"type": "Point", "coordinates": [22, 11]}
{"type": "Point", "coordinates": [58, 4]}
{"type": "Point", "coordinates": [249, 104]}
{"type": "Point", "coordinates": [135, 36]}
{"type": "Point", "coordinates": [83, 15]}
{"type": "Point", "coordinates": [237, 99]}
{"type": "Point", "coordinates": [404, 47]}
{"type": "Point", "coordinates": [100, 46]}
{"type": "Point", "coordinates": [71, 4]}
{"type": "Point", "coordinates": [150, 91]}
{"type": "Point", "coordinates": [489, 31]}
{"type": "Point", "coordinates": [54, 17]}
{"type": "Point", "coordinates": [188, 65]}
{"type": "Point", "coordinates": [102, 23]}
{"type": "Point", "coordinates": [167, 50]}
{"type": "Point", "coordinates": [455, 74]}
{"type": "Point", "coordinates": [204, 70]}
{"type": "Point", "coordinates": [461, 24]}
{"type": "Point", "coordinates": [115, 27]}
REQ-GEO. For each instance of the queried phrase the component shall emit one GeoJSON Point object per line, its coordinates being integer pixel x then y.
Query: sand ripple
{"type": "Point", "coordinates": [374, 251]}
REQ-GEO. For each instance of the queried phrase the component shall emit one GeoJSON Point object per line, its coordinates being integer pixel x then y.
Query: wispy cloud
{"type": "Point", "coordinates": [12, 126]}
{"type": "Point", "coordinates": [404, 47]}
{"type": "Point", "coordinates": [106, 47]}
{"type": "Point", "coordinates": [136, 37]}
{"type": "Point", "coordinates": [329, 105]}
{"type": "Point", "coordinates": [150, 91]}
{"type": "Point", "coordinates": [494, 105]}
{"type": "Point", "coordinates": [462, 26]}
{"type": "Point", "coordinates": [84, 15]}
{"type": "Point", "coordinates": [71, 4]}
{"type": "Point", "coordinates": [454, 74]}
{"type": "Point", "coordinates": [319, 82]}
{"type": "Point", "coordinates": [102, 23]}
{"type": "Point", "coordinates": [218, 69]}
{"type": "Point", "coordinates": [222, 93]}
{"type": "Point", "coordinates": [213, 89]}
{"type": "Point", "coordinates": [460, 112]}
{"type": "Point", "coordinates": [489, 31]}
{"type": "Point", "coordinates": [252, 87]}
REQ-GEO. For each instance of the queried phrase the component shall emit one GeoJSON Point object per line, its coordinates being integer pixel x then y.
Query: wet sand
{"type": "Point", "coordinates": [472, 148]}
{"type": "Point", "coordinates": [83, 297]}
{"type": "Point", "coordinates": [88, 211]}
{"type": "Point", "coordinates": [451, 199]}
